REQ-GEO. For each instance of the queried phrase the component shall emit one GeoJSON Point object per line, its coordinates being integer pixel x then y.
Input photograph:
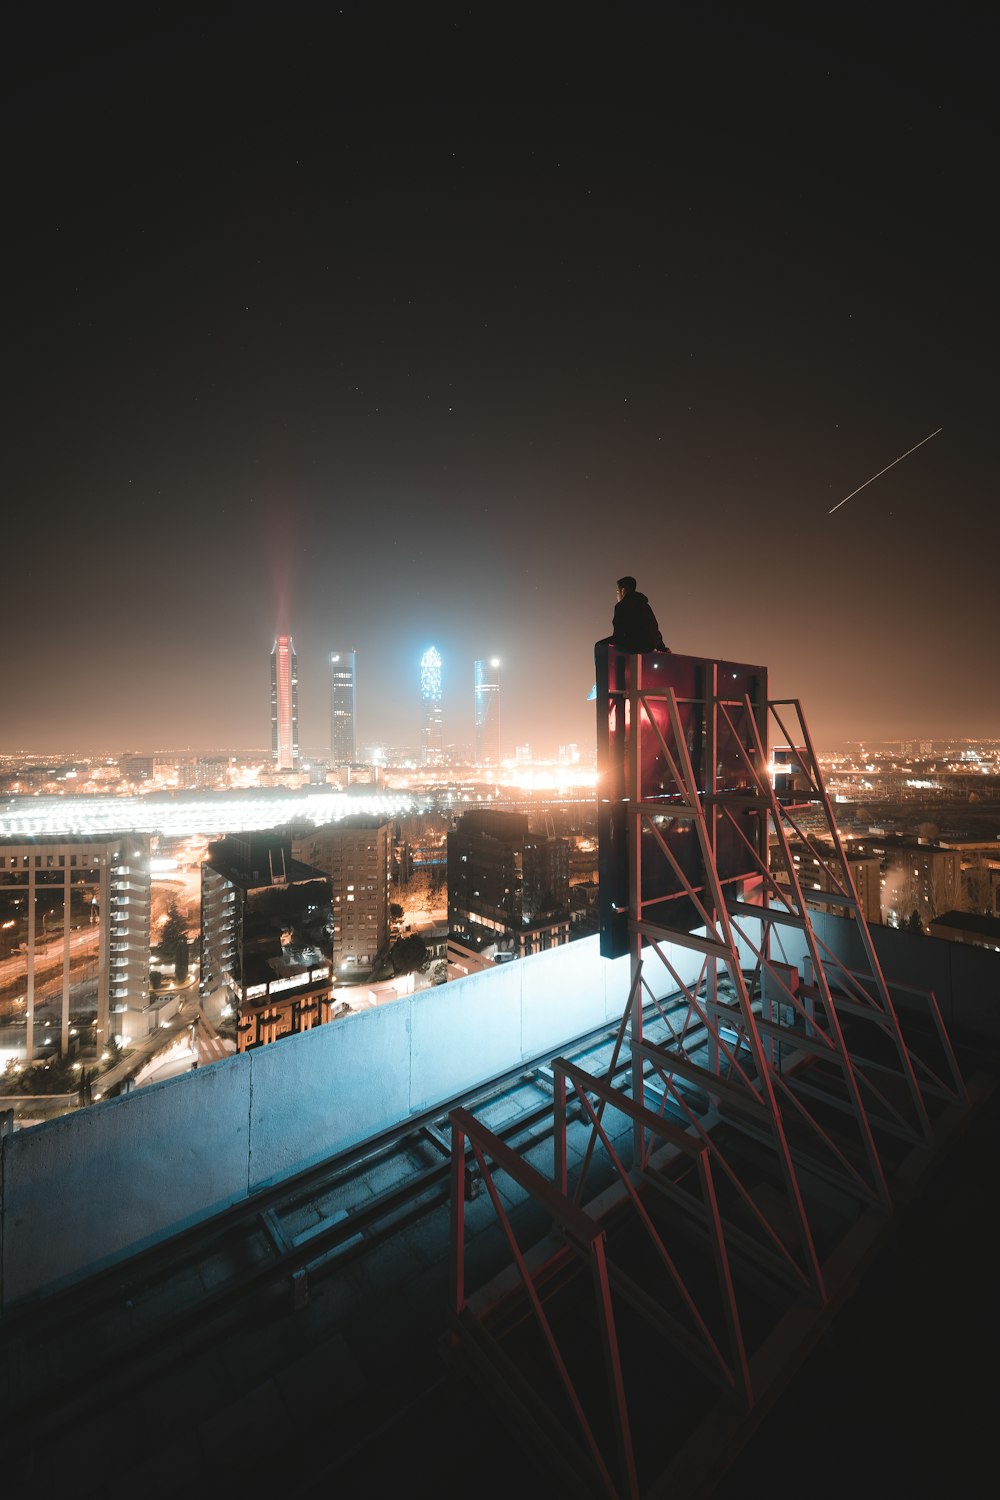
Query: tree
{"type": "Point", "coordinates": [56, 1076]}
{"type": "Point", "coordinates": [395, 911]}
{"type": "Point", "coordinates": [173, 944]}
{"type": "Point", "coordinates": [979, 884]}
{"type": "Point", "coordinates": [913, 922]}
{"type": "Point", "coordinates": [410, 954]}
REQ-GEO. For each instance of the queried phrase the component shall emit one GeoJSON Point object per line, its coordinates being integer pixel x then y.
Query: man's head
{"type": "Point", "coordinates": [626, 585]}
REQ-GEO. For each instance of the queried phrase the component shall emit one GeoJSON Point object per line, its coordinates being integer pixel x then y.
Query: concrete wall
{"type": "Point", "coordinates": [83, 1191]}
{"type": "Point", "coordinates": [88, 1189]}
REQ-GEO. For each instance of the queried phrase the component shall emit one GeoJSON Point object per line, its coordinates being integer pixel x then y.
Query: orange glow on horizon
{"type": "Point", "coordinates": [544, 778]}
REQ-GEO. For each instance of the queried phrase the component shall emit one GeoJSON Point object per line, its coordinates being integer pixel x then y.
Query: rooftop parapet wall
{"type": "Point", "coordinates": [89, 1189]}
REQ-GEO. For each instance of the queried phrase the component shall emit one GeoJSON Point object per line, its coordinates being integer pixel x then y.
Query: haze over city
{"type": "Point", "coordinates": [390, 335]}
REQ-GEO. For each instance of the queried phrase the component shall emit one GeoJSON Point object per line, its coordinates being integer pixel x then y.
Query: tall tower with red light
{"type": "Point", "coordinates": [284, 705]}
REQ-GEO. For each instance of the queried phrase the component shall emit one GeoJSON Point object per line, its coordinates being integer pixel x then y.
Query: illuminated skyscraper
{"type": "Point", "coordinates": [488, 712]}
{"type": "Point", "coordinates": [342, 708]}
{"type": "Point", "coordinates": [284, 705]}
{"type": "Point", "coordinates": [432, 749]}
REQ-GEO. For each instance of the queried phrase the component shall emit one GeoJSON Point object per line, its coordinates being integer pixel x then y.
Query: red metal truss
{"type": "Point", "coordinates": [767, 1108]}
{"type": "Point", "coordinates": [745, 1090]}
{"type": "Point", "coordinates": [663, 1139]}
{"type": "Point", "coordinates": [696, 772]}
{"type": "Point", "coordinates": [581, 1235]}
{"type": "Point", "coordinates": [863, 995]}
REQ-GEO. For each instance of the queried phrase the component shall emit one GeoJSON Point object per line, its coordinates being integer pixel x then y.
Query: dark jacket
{"type": "Point", "coordinates": [633, 626]}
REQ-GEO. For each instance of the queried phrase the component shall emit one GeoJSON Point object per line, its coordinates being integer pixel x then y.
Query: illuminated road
{"type": "Point", "coordinates": [140, 1054]}
{"type": "Point", "coordinates": [14, 970]}
{"type": "Point", "coordinates": [49, 978]}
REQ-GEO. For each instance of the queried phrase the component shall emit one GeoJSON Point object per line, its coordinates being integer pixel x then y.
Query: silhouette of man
{"type": "Point", "coordinates": [633, 626]}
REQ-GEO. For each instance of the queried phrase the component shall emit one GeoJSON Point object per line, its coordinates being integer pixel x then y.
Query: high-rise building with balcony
{"type": "Point", "coordinates": [284, 705]}
{"type": "Point", "coordinates": [343, 708]}
{"type": "Point", "coordinates": [487, 679]}
{"type": "Point", "coordinates": [80, 908]}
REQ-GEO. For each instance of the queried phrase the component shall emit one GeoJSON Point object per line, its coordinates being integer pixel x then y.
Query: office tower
{"type": "Point", "coordinates": [507, 887]}
{"type": "Point", "coordinates": [266, 922]}
{"type": "Point", "coordinates": [356, 854]}
{"type": "Point", "coordinates": [432, 747]}
{"type": "Point", "coordinates": [284, 705]}
{"type": "Point", "coordinates": [343, 706]}
{"type": "Point", "coordinates": [488, 712]}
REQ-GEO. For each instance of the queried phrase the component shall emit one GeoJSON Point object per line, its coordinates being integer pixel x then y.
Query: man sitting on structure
{"type": "Point", "coordinates": [634, 626]}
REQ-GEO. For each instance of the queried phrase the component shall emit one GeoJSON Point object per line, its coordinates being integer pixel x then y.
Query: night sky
{"type": "Point", "coordinates": [394, 330]}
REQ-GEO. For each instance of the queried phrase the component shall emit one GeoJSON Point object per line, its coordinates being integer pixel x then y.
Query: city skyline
{"type": "Point", "coordinates": [313, 320]}
{"type": "Point", "coordinates": [460, 731]}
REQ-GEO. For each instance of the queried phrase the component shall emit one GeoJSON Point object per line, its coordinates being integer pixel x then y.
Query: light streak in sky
{"type": "Point", "coordinates": [887, 468]}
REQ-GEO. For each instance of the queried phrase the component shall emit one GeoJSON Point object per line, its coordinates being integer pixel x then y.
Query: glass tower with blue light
{"type": "Point", "coordinates": [432, 746]}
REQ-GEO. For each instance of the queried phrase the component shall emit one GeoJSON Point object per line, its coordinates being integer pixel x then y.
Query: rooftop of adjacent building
{"type": "Point", "coordinates": [971, 922]}
{"type": "Point", "coordinates": [255, 861]}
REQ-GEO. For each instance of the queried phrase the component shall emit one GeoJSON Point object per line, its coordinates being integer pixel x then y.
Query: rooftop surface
{"type": "Point", "coordinates": [298, 1344]}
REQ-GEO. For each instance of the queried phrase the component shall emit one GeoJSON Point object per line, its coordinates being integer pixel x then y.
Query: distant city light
{"type": "Point", "coordinates": [227, 813]}
{"type": "Point", "coordinates": [542, 778]}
